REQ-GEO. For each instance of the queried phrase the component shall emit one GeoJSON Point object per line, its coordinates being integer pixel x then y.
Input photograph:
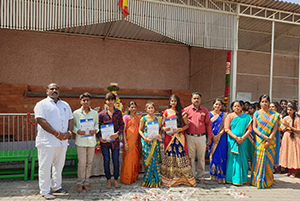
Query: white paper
{"type": "Point", "coordinates": [107, 131]}
{"type": "Point", "coordinates": [87, 125]}
{"type": "Point", "coordinates": [171, 123]}
{"type": "Point", "coordinates": [152, 129]}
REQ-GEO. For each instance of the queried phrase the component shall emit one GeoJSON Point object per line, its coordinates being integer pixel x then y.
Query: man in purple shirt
{"type": "Point", "coordinates": [199, 127]}
{"type": "Point", "coordinates": [111, 115]}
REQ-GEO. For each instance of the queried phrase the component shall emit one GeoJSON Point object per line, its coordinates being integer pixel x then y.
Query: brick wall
{"type": "Point", "coordinates": [13, 100]}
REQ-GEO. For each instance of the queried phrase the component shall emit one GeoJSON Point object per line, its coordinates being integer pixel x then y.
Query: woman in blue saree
{"type": "Point", "coordinates": [218, 149]}
{"type": "Point", "coordinates": [238, 127]}
{"type": "Point", "coordinates": [150, 149]}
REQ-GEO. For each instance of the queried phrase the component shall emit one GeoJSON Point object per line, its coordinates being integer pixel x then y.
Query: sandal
{"type": "Point", "coordinates": [86, 188]}
{"type": "Point", "coordinates": [61, 191]}
{"type": "Point", "coordinates": [49, 196]}
{"type": "Point", "coordinates": [292, 176]}
{"type": "Point", "coordinates": [79, 189]}
{"type": "Point", "coordinates": [108, 186]}
{"type": "Point", "coordinates": [117, 185]}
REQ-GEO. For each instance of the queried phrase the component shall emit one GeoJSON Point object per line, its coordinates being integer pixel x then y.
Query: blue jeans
{"type": "Point", "coordinates": [106, 160]}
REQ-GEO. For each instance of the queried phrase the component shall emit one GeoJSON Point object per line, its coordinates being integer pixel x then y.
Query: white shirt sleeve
{"type": "Point", "coordinates": [39, 111]}
{"type": "Point", "coordinates": [76, 122]}
{"type": "Point", "coordinates": [70, 114]}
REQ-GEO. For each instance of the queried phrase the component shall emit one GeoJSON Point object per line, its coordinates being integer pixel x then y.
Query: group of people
{"type": "Point", "coordinates": [287, 154]}
{"type": "Point", "coordinates": [249, 135]}
{"type": "Point", "coordinates": [263, 136]}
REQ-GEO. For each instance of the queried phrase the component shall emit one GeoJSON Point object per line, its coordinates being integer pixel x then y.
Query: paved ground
{"type": "Point", "coordinates": [284, 188]}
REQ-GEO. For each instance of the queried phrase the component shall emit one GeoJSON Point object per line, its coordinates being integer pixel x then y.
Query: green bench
{"type": "Point", "coordinates": [68, 170]}
{"type": "Point", "coordinates": [71, 169]}
{"type": "Point", "coordinates": [15, 155]}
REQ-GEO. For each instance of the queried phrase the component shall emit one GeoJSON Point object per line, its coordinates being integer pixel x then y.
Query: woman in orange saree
{"type": "Point", "coordinates": [130, 165]}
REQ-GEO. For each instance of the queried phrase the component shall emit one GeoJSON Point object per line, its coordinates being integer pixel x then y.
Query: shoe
{"type": "Point", "coordinates": [61, 192]}
{"type": "Point", "coordinates": [49, 196]}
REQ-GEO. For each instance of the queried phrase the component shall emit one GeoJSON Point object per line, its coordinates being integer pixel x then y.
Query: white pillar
{"type": "Point", "coordinates": [272, 59]}
{"type": "Point", "coordinates": [234, 59]}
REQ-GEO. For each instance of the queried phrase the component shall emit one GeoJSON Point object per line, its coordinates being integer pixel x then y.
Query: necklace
{"type": "Point", "coordinates": [215, 113]}
{"type": "Point", "coordinates": [132, 116]}
{"type": "Point", "coordinates": [151, 118]}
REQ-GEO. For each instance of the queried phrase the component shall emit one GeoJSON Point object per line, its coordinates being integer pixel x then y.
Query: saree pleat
{"type": "Point", "coordinates": [237, 160]}
{"type": "Point", "coordinates": [176, 168]}
{"type": "Point", "coordinates": [263, 162]}
{"type": "Point", "coordinates": [130, 165]}
{"type": "Point", "coordinates": [218, 152]}
{"type": "Point", "coordinates": [152, 158]}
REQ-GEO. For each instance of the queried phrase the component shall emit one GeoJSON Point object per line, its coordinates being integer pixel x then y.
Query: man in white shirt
{"type": "Point", "coordinates": [55, 125]}
{"type": "Point", "coordinates": [86, 125]}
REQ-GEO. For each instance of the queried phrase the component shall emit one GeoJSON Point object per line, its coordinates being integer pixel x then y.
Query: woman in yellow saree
{"type": "Point", "coordinates": [151, 148]}
{"type": "Point", "coordinates": [130, 165]}
{"type": "Point", "coordinates": [265, 124]}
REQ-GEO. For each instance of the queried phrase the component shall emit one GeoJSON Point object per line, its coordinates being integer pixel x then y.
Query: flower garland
{"type": "Point", "coordinates": [30, 121]}
{"type": "Point", "coordinates": [227, 80]}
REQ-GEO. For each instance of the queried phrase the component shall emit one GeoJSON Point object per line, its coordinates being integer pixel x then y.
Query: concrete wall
{"type": "Point", "coordinates": [208, 74]}
{"type": "Point", "coordinates": [254, 75]}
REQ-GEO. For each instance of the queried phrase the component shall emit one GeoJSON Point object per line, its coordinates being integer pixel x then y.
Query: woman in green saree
{"type": "Point", "coordinates": [150, 148]}
{"type": "Point", "coordinates": [238, 127]}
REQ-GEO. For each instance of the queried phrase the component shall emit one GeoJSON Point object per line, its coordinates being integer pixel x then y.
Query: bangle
{"type": "Point", "coordinates": [58, 135]}
{"type": "Point", "coordinates": [70, 132]}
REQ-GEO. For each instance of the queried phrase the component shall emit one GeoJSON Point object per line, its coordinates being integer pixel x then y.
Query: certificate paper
{"type": "Point", "coordinates": [152, 129]}
{"type": "Point", "coordinates": [171, 123]}
{"type": "Point", "coordinates": [107, 131]}
{"type": "Point", "coordinates": [87, 125]}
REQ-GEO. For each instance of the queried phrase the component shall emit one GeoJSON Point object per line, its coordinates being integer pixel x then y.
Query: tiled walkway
{"type": "Point", "coordinates": [284, 188]}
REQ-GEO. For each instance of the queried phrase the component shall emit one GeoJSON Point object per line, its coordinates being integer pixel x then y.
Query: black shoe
{"type": "Point", "coordinates": [60, 192]}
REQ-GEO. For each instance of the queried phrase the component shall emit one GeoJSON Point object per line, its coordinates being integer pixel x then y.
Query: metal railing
{"type": "Point", "coordinates": [18, 131]}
